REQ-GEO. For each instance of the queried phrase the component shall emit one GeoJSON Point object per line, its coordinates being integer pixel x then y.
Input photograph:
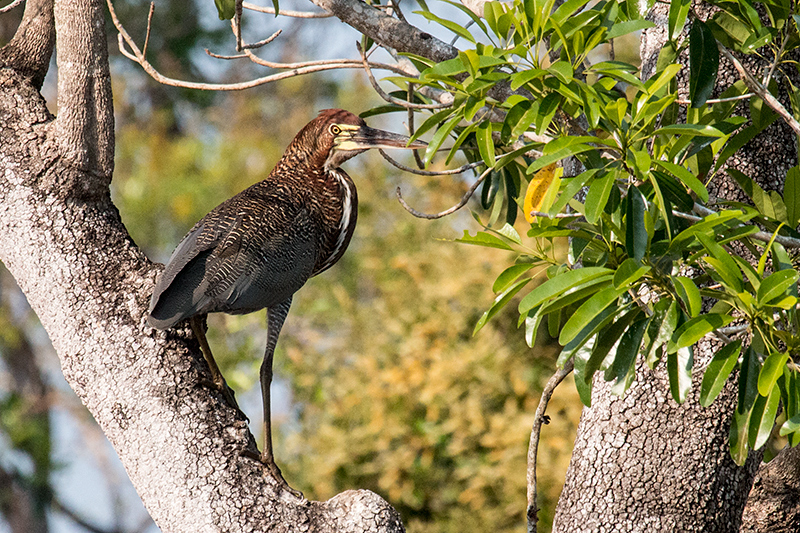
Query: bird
{"type": "Point", "coordinates": [256, 249]}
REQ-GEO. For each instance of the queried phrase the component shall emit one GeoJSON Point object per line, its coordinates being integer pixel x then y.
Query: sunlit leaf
{"type": "Point", "coordinates": [587, 312]}
{"type": "Point", "coordinates": [771, 371]}
{"type": "Point", "coordinates": [762, 418]}
{"type": "Point", "coordinates": [537, 187]}
{"type": "Point", "coordinates": [560, 284]}
{"type": "Point", "coordinates": [718, 372]}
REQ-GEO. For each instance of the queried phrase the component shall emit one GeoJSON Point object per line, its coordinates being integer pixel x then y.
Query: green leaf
{"type": "Point", "coordinates": [776, 285]}
{"type": "Point", "coordinates": [722, 263]}
{"type": "Point", "coordinates": [597, 197]}
{"type": "Point", "coordinates": [499, 302]}
{"type": "Point", "coordinates": [748, 381]}
{"type": "Point", "coordinates": [624, 366]}
{"type": "Point", "coordinates": [678, 10]}
{"type": "Point", "coordinates": [738, 437]}
{"type": "Point", "coordinates": [485, 143]}
{"type": "Point", "coordinates": [227, 8]}
{"type": "Point", "coordinates": [629, 26]}
{"type": "Point", "coordinates": [484, 239]}
{"type": "Point", "coordinates": [790, 426]}
{"type": "Point", "coordinates": [659, 331]}
{"type": "Point", "coordinates": [693, 130]}
{"type": "Point", "coordinates": [688, 293]}
{"type": "Point", "coordinates": [559, 284]}
{"type": "Point", "coordinates": [629, 272]}
{"type": "Point", "coordinates": [703, 63]}
{"type": "Point", "coordinates": [454, 27]}
{"type": "Point", "coordinates": [582, 383]}
{"type": "Point", "coordinates": [587, 312]}
{"type": "Point", "coordinates": [762, 418]}
{"type": "Point", "coordinates": [696, 328]}
{"type": "Point", "coordinates": [791, 196]}
{"type": "Point", "coordinates": [771, 371]}
{"type": "Point", "coordinates": [635, 231]}
{"type": "Point", "coordinates": [510, 275]}
{"type": "Point", "coordinates": [606, 340]}
{"type": "Point", "coordinates": [679, 369]}
{"type": "Point", "coordinates": [718, 371]}
{"type": "Point", "coordinates": [439, 137]}
{"type": "Point", "coordinates": [686, 177]}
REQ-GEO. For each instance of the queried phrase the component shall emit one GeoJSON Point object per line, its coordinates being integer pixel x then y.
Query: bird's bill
{"type": "Point", "coordinates": [364, 138]}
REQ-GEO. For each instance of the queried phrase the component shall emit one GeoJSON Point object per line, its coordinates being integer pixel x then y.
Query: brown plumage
{"type": "Point", "coordinates": [255, 250]}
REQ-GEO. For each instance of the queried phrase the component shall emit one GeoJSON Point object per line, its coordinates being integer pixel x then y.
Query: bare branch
{"type": "Point", "coordinates": [288, 12]}
{"type": "Point", "coordinates": [761, 91]}
{"type": "Point", "coordinates": [459, 205]}
{"type": "Point", "coordinates": [11, 6]}
{"type": "Point", "coordinates": [149, 27]}
{"type": "Point", "coordinates": [387, 97]}
{"type": "Point", "coordinates": [128, 48]}
{"type": "Point", "coordinates": [533, 446]}
{"type": "Point", "coordinates": [787, 242]}
{"type": "Point", "coordinates": [449, 172]}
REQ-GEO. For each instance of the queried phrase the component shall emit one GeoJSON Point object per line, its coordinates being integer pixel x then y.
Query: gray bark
{"type": "Point", "coordinates": [64, 242]}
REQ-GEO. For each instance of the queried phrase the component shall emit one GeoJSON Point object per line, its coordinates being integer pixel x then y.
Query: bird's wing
{"type": "Point", "coordinates": [249, 253]}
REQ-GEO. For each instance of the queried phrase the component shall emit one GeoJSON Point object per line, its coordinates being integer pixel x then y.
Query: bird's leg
{"type": "Point", "coordinates": [275, 317]}
{"type": "Point", "coordinates": [198, 327]}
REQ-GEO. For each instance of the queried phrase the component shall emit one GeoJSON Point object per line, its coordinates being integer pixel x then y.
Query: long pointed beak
{"type": "Point", "coordinates": [366, 138]}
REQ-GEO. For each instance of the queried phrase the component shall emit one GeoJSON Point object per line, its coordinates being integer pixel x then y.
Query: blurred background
{"type": "Point", "coordinates": [380, 382]}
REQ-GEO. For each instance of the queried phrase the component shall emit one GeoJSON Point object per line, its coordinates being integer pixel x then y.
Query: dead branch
{"type": "Point", "coordinates": [11, 6]}
{"type": "Point", "coordinates": [129, 49]}
{"type": "Point", "coordinates": [533, 446]}
{"type": "Point", "coordinates": [387, 97]}
{"type": "Point", "coordinates": [459, 205]}
{"type": "Point", "coordinates": [449, 172]}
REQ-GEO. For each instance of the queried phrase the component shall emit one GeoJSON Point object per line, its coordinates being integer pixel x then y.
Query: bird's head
{"type": "Point", "coordinates": [341, 135]}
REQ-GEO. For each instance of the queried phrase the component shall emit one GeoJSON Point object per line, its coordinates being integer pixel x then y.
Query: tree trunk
{"type": "Point", "coordinates": [64, 242]}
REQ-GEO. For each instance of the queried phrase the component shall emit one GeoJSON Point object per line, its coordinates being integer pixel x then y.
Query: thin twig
{"type": "Point", "coordinates": [149, 27]}
{"type": "Point", "coordinates": [10, 6]}
{"type": "Point", "coordinates": [389, 98]}
{"type": "Point", "coordinates": [410, 98]}
{"type": "Point", "coordinates": [533, 445]}
{"type": "Point", "coordinates": [288, 12]}
{"type": "Point", "coordinates": [396, 10]}
{"type": "Point", "coordinates": [719, 100]}
{"type": "Point", "coordinates": [761, 91]}
{"type": "Point", "coordinates": [449, 172]}
{"type": "Point", "coordinates": [236, 24]}
{"type": "Point", "coordinates": [459, 205]}
{"type": "Point", "coordinates": [774, 64]}
{"type": "Point", "coordinates": [557, 215]}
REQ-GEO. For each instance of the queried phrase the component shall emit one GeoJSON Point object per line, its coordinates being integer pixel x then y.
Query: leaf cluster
{"type": "Point", "coordinates": [653, 266]}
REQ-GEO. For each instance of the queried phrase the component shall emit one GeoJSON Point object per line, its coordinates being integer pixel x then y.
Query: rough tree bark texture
{"type": "Point", "coordinates": [644, 463]}
{"type": "Point", "coordinates": [64, 242]}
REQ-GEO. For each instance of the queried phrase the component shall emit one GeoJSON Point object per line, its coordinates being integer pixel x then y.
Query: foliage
{"type": "Point", "coordinates": [642, 271]}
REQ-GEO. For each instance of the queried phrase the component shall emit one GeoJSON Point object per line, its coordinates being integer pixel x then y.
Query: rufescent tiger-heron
{"type": "Point", "coordinates": [256, 249]}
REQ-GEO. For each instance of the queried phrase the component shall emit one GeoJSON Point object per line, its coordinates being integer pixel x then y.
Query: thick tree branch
{"type": "Point", "coordinates": [30, 49]}
{"type": "Point", "coordinates": [84, 129]}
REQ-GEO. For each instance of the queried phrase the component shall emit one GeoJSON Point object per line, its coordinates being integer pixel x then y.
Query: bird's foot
{"type": "Point", "coordinates": [273, 470]}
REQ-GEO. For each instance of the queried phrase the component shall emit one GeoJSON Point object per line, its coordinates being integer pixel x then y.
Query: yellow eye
{"type": "Point", "coordinates": [336, 130]}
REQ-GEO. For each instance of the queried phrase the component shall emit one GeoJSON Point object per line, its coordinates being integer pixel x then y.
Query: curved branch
{"type": "Point", "coordinates": [449, 172]}
{"type": "Point", "coordinates": [389, 98]}
{"type": "Point", "coordinates": [533, 446]}
{"type": "Point", "coordinates": [459, 205]}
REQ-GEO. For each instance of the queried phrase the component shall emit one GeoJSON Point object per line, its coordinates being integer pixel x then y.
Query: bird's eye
{"type": "Point", "coordinates": [336, 130]}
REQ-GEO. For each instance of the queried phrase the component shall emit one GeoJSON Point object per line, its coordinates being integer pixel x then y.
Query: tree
{"type": "Point", "coordinates": [513, 111]}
